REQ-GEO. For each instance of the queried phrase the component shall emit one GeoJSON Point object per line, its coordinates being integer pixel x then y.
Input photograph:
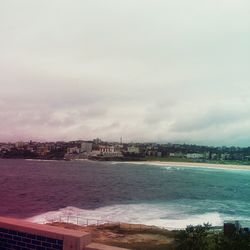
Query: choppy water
{"type": "Point", "coordinates": [165, 196]}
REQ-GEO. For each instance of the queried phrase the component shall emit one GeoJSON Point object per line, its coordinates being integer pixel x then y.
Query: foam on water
{"type": "Point", "coordinates": [166, 196]}
{"type": "Point", "coordinates": [161, 215]}
{"type": "Point", "coordinates": [185, 165]}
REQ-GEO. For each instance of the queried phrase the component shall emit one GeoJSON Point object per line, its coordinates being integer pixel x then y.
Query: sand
{"type": "Point", "coordinates": [193, 164]}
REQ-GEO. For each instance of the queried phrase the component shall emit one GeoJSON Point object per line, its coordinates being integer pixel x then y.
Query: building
{"type": "Point", "coordinates": [86, 147]}
{"type": "Point", "coordinates": [43, 150]}
{"type": "Point", "coordinates": [107, 150]}
{"type": "Point", "coordinates": [97, 141]}
{"type": "Point", "coordinates": [177, 154]}
{"type": "Point", "coordinates": [133, 150]}
{"type": "Point", "coordinates": [73, 150]}
{"type": "Point", "coordinates": [194, 156]}
{"type": "Point", "coordinates": [20, 144]}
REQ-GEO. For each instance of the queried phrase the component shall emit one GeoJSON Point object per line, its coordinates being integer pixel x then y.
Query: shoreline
{"type": "Point", "coordinates": [191, 165]}
{"type": "Point", "coordinates": [170, 164]}
{"type": "Point", "coordinates": [155, 163]}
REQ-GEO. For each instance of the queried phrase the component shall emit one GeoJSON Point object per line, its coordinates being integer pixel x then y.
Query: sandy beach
{"type": "Point", "coordinates": [193, 164]}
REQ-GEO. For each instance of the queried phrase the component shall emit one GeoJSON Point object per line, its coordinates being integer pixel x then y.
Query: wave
{"type": "Point", "coordinates": [161, 215]}
{"type": "Point", "coordinates": [190, 165]}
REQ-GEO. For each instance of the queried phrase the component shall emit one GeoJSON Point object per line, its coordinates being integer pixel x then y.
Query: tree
{"type": "Point", "coordinates": [196, 238]}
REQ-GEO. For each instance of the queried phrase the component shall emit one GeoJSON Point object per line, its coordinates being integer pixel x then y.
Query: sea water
{"type": "Point", "coordinates": [170, 197]}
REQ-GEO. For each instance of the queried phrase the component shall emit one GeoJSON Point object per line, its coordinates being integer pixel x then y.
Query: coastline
{"type": "Point", "coordinates": [130, 236]}
{"type": "Point", "coordinates": [191, 165]}
{"type": "Point", "coordinates": [153, 162]}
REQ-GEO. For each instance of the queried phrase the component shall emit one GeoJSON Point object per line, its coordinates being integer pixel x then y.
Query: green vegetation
{"type": "Point", "coordinates": [200, 237]}
{"type": "Point", "coordinates": [141, 237]}
{"type": "Point", "coordinates": [203, 238]}
{"type": "Point", "coordinates": [196, 237]}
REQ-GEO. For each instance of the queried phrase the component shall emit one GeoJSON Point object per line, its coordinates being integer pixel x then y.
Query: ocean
{"type": "Point", "coordinates": [170, 197]}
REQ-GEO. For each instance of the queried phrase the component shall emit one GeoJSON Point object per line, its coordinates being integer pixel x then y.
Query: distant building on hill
{"type": "Point", "coordinates": [107, 150]}
{"type": "Point", "coordinates": [86, 147]}
{"type": "Point", "coordinates": [43, 150]}
{"type": "Point", "coordinates": [97, 141]}
{"type": "Point", "coordinates": [177, 154]}
{"type": "Point", "coordinates": [133, 149]}
{"type": "Point", "coordinates": [194, 156]}
{"type": "Point", "coordinates": [73, 150]}
{"type": "Point", "coordinates": [19, 144]}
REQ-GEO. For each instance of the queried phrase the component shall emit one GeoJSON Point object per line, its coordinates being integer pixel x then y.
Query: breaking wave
{"type": "Point", "coordinates": [148, 214]}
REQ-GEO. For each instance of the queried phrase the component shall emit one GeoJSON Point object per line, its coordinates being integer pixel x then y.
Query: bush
{"type": "Point", "coordinates": [202, 238]}
{"type": "Point", "coordinates": [196, 238]}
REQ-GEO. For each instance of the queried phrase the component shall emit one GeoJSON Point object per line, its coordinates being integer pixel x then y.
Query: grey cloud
{"type": "Point", "coordinates": [216, 118]}
{"type": "Point", "coordinates": [147, 70]}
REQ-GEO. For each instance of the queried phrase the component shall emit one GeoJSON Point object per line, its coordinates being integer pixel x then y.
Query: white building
{"type": "Point", "coordinates": [178, 154]}
{"type": "Point", "coordinates": [134, 149]}
{"type": "Point", "coordinates": [107, 150]}
{"type": "Point", "coordinates": [194, 156]}
{"type": "Point", "coordinates": [73, 150]}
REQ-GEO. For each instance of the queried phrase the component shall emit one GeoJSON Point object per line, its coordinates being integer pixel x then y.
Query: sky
{"type": "Point", "coordinates": [144, 70]}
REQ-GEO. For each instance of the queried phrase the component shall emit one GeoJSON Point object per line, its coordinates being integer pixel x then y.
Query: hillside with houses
{"type": "Point", "coordinates": [101, 150]}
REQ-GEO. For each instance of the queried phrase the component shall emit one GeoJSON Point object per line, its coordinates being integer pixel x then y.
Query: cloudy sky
{"type": "Point", "coordinates": [146, 70]}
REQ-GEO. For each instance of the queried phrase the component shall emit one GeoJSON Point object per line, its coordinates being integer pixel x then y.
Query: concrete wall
{"type": "Point", "coordinates": [23, 235]}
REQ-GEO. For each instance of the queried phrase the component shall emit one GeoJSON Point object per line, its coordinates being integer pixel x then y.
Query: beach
{"type": "Point", "coordinates": [192, 164]}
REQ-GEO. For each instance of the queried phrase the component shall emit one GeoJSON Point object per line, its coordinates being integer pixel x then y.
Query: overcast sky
{"type": "Point", "coordinates": [158, 70]}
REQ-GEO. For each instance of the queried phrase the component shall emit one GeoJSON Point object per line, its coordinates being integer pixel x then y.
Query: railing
{"type": "Point", "coordinates": [85, 222]}
{"type": "Point", "coordinates": [81, 221]}
{"type": "Point", "coordinates": [77, 220]}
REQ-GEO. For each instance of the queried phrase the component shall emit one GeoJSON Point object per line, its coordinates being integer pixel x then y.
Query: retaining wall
{"type": "Point", "coordinates": [23, 235]}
